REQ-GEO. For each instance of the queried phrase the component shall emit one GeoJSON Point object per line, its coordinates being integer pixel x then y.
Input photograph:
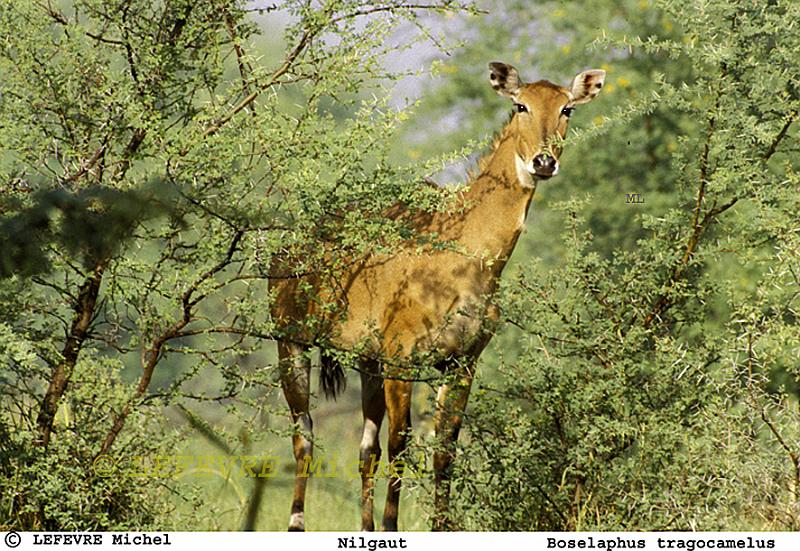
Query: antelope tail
{"type": "Point", "coordinates": [332, 379]}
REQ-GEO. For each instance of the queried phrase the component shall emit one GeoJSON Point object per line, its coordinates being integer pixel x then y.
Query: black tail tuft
{"type": "Point", "coordinates": [332, 379]}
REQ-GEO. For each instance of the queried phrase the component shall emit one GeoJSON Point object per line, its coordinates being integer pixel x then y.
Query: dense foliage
{"type": "Point", "coordinates": [648, 376]}
{"type": "Point", "coordinates": [152, 164]}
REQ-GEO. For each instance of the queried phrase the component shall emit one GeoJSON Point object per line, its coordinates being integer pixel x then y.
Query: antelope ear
{"type": "Point", "coordinates": [586, 85]}
{"type": "Point", "coordinates": [504, 79]}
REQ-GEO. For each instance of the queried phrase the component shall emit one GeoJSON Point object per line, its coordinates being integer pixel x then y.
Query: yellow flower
{"type": "Point", "coordinates": [672, 146]}
{"type": "Point", "coordinates": [559, 13]}
{"type": "Point", "coordinates": [566, 48]}
{"type": "Point", "coordinates": [413, 153]}
{"type": "Point", "coordinates": [609, 87]}
{"type": "Point", "coordinates": [643, 4]}
{"type": "Point", "coordinates": [623, 82]}
{"type": "Point", "coordinates": [449, 69]}
{"type": "Point", "coordinates": [598, 120]}
{"type": "Point", "coordinates": [606, 67]}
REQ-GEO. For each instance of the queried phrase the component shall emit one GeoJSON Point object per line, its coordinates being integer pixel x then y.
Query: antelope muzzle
{"type": "Point", "coordinates": [544, 166]}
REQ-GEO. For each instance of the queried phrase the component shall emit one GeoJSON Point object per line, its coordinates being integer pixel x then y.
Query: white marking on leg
{"type": "Point", "coordinates": [370, 435]}
{"type": "Point", "coordinates": [297, 522]}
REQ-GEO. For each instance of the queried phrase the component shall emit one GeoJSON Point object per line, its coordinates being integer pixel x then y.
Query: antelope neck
{"type": "Point", "coordinates": [497, 203]}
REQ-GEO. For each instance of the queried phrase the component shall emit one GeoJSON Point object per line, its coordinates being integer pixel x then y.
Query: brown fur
{"type": "Point", "coordinates": [437, 302]}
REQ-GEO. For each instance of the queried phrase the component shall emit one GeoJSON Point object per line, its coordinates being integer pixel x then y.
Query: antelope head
{"type": "Point", "coordinates": [541, 113]}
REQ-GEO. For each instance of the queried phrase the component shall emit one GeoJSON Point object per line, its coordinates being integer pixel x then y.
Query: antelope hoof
{"type": "Point", "coordinates": [297, 523]}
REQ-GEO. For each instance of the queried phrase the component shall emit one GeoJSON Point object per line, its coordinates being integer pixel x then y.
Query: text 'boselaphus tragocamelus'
{"type": "Point", "coordinates": [436, 302]}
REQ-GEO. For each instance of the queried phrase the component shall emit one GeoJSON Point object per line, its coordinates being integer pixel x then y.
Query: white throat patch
{"type": "Point", "coordinates": [523, 174]}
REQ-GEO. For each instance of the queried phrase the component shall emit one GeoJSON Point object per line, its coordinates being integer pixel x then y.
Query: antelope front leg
{"type": "Point", "coordinates": [398, 406]}
{"type": "Point", "coordinates": [294, 373]}
{"type": "Point", "coordinates": [373, 408]}
{"type": "Point", "coordinates": [451, 401]}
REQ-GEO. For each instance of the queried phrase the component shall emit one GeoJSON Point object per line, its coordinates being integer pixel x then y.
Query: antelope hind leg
{"type": "Point", "coordinates": [295, 367]}
{"type": "Point", "coordinates": [373, 408]}
{"type": "Point", "coordinates": [451, 401]}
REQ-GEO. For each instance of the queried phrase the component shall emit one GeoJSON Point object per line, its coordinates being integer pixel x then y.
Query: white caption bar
{"type": "Point", "coordinates": [415, 541]}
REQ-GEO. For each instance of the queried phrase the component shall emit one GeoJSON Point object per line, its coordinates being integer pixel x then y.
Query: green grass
{"type": "Point", "coordinates": [331, 503]}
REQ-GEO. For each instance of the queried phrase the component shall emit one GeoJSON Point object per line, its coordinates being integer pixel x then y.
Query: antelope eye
{"type": "Point", "coordinates": [519, 108]}
{"type": "Point", "coordinates": [567, 111]}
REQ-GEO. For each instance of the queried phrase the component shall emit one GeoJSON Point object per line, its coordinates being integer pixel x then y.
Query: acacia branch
{"type": "Point", "coordinates": [305, 40]}
{"type": "Point", "coordinates": [81, 321]}
{"type": "Point", "coordinates": [241, 62]}
{"type": "Point", "coordinates": [403, 6]}
{"type": "Point", "coordinates": [773, 147]}
{"type": "Point", "coordinates": [793, 456]}
{"type": "Point", "coordinates": [152, 353]}
{"type": "Point", "coordinates": [698, 227]}
{"type": "Point", "coordinates": [301, 45]}
{"type": "Point", "coordinates": [86, 166]}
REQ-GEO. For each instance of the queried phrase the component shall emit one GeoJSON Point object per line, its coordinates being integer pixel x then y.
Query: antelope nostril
{"type": "Point", "coordinates": [546, 162]}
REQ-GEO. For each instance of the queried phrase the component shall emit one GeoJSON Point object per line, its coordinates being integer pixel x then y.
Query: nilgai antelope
{"type": "Point", "coordinates": [436, 302]}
